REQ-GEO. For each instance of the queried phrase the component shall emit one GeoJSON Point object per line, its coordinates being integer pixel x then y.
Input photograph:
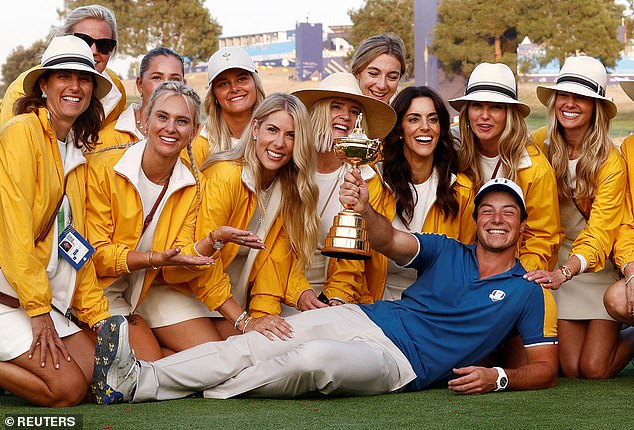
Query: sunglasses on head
{"type": "Point", "coordinates": [104, 46]}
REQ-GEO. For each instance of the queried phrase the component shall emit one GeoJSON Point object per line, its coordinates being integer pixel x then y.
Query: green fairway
{"type": "Point", "coordinates": [573, 404]}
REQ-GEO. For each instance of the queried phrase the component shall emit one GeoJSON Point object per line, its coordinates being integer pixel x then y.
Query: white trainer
{"type": "Point", "coordinates": [116, 371]}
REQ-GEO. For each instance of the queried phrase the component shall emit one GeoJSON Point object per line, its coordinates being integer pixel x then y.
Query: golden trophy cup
{"type": "Point", "coordinates": [348, 237]}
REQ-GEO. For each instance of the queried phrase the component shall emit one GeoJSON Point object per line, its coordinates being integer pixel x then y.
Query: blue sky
{"type": "Point", "coordinates": [247, 16]}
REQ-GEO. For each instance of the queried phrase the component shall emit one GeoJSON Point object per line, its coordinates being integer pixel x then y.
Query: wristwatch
{"type": "Point", "coordinates": [217, 244]}
{"type": "Point", "coordinates": [503, 381]}
{"type": "Point", "coordinates": [566, 271]}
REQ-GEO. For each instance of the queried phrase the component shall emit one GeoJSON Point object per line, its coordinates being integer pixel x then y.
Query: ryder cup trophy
{"type": "Point", "coordinates": [348, 237]}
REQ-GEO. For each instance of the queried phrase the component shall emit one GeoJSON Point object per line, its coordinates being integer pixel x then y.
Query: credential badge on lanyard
{"type": "Point", "coordinates": [72, 246]}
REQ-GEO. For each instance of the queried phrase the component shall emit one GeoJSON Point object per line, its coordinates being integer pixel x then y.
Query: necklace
{"type": "Point", "coordinates": [138, 122]}
{"type": "Point", "coordinates": [332, 190]}
{"type": "Point", "coordinates": [266, 197]}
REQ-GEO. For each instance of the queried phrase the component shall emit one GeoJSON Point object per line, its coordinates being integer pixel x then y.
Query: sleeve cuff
{"type": "Point", "coordinates": [584, 262]}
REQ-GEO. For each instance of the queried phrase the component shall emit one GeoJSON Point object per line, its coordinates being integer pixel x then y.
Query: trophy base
{"type": "Point", "coordinates": [346, 253]}
{"type": "Point", "coordinates": [347, 238]}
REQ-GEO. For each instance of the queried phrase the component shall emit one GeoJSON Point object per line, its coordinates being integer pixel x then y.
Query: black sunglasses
{"type": "Point", "coordinates": [104, 46]}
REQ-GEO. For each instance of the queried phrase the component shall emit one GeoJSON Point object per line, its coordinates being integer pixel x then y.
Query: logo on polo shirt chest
{"type": "Point", "coordinates": [497, 295]}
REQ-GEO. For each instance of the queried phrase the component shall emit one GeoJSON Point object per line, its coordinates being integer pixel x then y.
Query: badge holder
{"type": "Point", "coordinates": [74, 248]}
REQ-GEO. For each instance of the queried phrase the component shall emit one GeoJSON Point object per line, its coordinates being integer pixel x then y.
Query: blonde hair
{"type": "Point", "coordinates": [321, 120]}
{"type": "Point", "coordinates": [595, 149]}
{"type": "Point", "coordinates": [297, 178]}
{"type": "Point", "coordinates": [513, 141]}
{"type": "Point", "coordinates": [218, 133]}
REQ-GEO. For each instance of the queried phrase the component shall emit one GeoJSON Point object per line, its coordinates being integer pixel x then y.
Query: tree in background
{"type": "Point", "coordinates": [19, 60]}
{"type": "Point", "coordinates": [185, 26]}
{"type": "Point", "coordinates": [385, 16]}
{"type": "Point", "coordinates": [568, 28]}
{"type": "Point", "coordinates": [473, 31]}
{"type": "Point", "coordinates": [469, 32]}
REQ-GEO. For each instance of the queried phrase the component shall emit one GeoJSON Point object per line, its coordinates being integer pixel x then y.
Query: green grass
{"type": "Point", "coordinates": [573, 404]}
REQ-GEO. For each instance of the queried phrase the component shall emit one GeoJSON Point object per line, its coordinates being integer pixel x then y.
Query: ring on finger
{"type": "Point", "coordinates": [550, 281]}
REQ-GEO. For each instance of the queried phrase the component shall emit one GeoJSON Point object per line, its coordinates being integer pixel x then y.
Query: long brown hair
{"type": "Point", "coordinates": [397, 171]}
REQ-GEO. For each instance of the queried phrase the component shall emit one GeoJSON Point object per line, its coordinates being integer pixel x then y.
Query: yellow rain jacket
{"type": "Point", "coordinates": [121, 131]}
{"type": "Point", "coordinates": [275, 276]}
{"type": "Point", "coordinates": [31, 184]}
{"type": "Point", "coordinates": [364, 281]}
{"type": "Point", "coordinates": [624, 244]}
{"type": "Point", "coordinates": [15, 91]}
{"type": "Point", "coordinates": [115, 221]}
{"type": "Point", "coordinates": [543, 234]}
{"type": "Point", "coordinates": [603, 213]}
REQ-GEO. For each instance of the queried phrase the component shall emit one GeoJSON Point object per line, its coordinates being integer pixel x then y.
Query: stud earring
{"type": "Point", "coordinates": [255, 138]}
{"type": "Point", "coordinates": [44, 95]}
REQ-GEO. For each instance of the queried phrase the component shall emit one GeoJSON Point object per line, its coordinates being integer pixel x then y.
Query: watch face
{"type": "Point", "coordinates": [503, 381]}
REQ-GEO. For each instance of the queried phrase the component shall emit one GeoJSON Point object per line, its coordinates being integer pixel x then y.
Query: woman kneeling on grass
{"type": "Point", "coordinates": [45, 357]}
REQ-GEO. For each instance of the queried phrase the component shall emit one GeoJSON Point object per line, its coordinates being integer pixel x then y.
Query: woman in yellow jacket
{"type": "Point", "coordinates": [45, 357]}
{"type": "Point", "coordinates": [334, 110]}
{"type": "Point", "coordinates": [591, 182]}
{"type": "Point", "coordinates": [495, 143]}
{"type": "Point", "coordinates": [235, 91]}
{"type": "Point", "coordinates": [143, 204]}
{"type": "Point", "coordinates": [265, 185]}
{"type": "Point", "coordinates": [422, 193]}
{"type": "Point", "coordinates": [157, 66]}
{"type": "Point", "coordinates": [96, 25]}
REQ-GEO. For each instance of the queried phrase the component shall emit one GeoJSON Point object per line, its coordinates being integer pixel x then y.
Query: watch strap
{"type": "Point", "coordinates": [502, 380]}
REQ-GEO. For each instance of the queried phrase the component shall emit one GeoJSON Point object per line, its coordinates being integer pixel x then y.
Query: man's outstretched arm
{"type": "Point", "coordinates": [539, 372]}
{"type": "Point", "coordinates": [395, 244]}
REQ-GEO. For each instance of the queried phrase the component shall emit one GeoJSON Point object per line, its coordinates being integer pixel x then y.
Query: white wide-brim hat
{"type": "Point", "coordinates": [493, 83]}
{"type": "Point", "coordinates": [379, 115]}
{"type": "Point", "coordinates": [67, 53]}
{"type": "Point", "coordinates": [229, 57]}
{"type": "Point", "coordinates": [582, 75]}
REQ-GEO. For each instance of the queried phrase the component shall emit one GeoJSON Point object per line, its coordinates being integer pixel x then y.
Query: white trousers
{"type": "Point", "coordinates": [336, 350]}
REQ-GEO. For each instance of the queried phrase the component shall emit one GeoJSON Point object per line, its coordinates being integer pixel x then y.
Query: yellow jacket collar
{"type": "Point", "coordinates": [127, 122]}
{"type": "Point", "coordinates": [129, 166]}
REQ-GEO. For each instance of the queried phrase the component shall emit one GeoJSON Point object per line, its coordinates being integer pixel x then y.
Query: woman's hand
{"type": "Point", "coordinates": [308, 300]}
{"type": "Point", "coordinates": [45, 336]}
{"type": "Point", "coordinates": [551, 280]}
{"type": "Point", "coordinates": [271, 326]}
{"type": "Point", "coordinates": [173, 257]}
{"type": "Point", "coordinates": [241, 237]}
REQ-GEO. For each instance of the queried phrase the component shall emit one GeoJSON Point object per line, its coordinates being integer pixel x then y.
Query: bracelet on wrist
{"type": "Point", "coordinates": [215, 242]}
{"type": "Point", "coordinates": [566, 272]}
{"type": "Point", "coordinates": [236, 324]}
{"type": "Point", "coordinates": [629, 279]}
{"type": "Point", "coordinates": [246, 323]}
{"type": "Point", "coordinates": [98, 325]}
{"type": "Point", "coordinates": [150, 254]}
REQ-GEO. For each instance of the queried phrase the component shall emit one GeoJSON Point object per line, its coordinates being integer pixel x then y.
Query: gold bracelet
{"type": "Point", "coordinates": [149, 260]}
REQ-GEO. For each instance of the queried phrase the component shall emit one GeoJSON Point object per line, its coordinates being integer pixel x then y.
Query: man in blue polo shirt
{"type": "Point", "coordinates": [466, 301]}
